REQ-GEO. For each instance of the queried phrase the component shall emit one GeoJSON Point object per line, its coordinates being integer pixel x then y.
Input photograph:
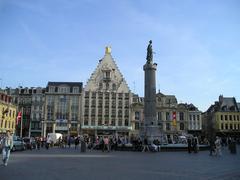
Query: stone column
{"type": "Point", "coordinates": [150, 115]}
{"type": "Point", "coordinates": [54, 127]}
{"type": "Point", "coordinates": [44, 129]}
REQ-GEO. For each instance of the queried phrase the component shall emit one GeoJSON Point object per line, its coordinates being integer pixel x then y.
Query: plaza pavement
{"type": "Point", "coordinates": [67, 164]}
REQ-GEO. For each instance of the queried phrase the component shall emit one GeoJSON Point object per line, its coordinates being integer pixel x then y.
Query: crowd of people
{"type": "Point", "coordinates": [107, 143]}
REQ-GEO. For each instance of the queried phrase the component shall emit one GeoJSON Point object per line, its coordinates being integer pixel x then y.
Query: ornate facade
{"type": "Point", "coordinates": [62, 108]}
{"type": "Point", "coordinates": [106, 100]}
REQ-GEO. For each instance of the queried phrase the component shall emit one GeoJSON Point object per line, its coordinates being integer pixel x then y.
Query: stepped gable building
{"type": "Point", "coordinates": [106, 100]}
{"type": "Point", "coordinates": [222, 118]}
{"type": "Point", "coordinates": [62, 108]}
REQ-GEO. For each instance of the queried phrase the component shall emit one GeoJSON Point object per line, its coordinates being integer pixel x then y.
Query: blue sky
{"type": "Point", "coordinates": [196, 43]}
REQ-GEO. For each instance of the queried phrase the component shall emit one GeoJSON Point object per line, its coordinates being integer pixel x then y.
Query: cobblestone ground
{"type": "Point", "coordinates": [58, 164]}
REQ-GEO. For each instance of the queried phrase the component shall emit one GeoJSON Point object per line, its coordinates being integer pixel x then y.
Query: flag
{"type": "Point", "coordinates": [174, 119]}
{"type": "Point", "coordinates": [19, 117]}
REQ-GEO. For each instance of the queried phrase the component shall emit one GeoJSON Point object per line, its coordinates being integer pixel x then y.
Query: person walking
{"type": "Point", "coordinates": [145, 145]}
{"type": "Point", "coordinates": [38, 141]}
{"type": "Point", "coordinates": [76, 142]}
{"type": "Point", "coordinates": [218, 146]}
{"type": "Point", "coordinates": [7, 144]}
{"type": "Point", "coordinates": [106, 144]}
{"type": "Point", "coordinates": [195, 145]}
{"type": "Point", "coordinates": [189, 142]}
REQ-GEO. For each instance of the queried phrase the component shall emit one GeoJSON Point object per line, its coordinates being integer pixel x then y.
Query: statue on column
{"type": "Point", "coordinates": [149, 53]}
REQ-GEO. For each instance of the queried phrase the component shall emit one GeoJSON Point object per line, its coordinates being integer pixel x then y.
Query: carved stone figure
{"type": "Point", "coordinates": [149, 53]}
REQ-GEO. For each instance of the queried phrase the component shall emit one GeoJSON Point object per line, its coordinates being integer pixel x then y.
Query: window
{"type": "Point", "coordinates": [126, 122]}
{"type": "Point", "coordinates": [181, 126]}
{"type": "Point", "coordinates": [181, 114]}
{"type": "Point", "coordinates": [238, 117]}
{"type": "Point", "coordinates": [93, 122]}
{"type": "Point", "coordinates": [231, 127]}
{"type": "Point", "coordinates": [51, 89]}
{"type": "Point", "coordinates": [85, 122]}
{"type": "Point", "coordinates": [167, 116]}
{"type": "Point", "coordinates": [137, 115]}
{"type": "Point", "coordinates": [230, 117]}
{"type": "Point", "coordinates": [107, 75]}
{"type": "Point", "coordinates": [137, 126]}
{"type": "Point", "coordinates": [64, 90]}
{"type": "Point", "coordinates": [120, 104]}
{"type": "Point", "coordinates": [190, 117]}
{"type": "Point", "coordinates": [119, 122]}
{"type": "Point", "coordinates": [226, 117]}
{"type": "Point", "coordinates": [198, 117]}
{"type": "Point", "coordinates": [159, 116]}
{"type": "Point", "coordinates": [226, 126]}
{"type": "Point", "coordinates": [168, 127]}
{"type": "Point", "coordinates": [75, 90]}
{"type": "Point", "coordinates": [113, 112]}
{"type": "Point", "coordinates": [222, 126]}
{"type": "Point", "coordinates": [119, 113]}
{"type": "Point", "coordinates": [222, 117]}
{"type": "Point", "coordinates": [114, 87]}
{"type": "Point", "coordinates": [160, 125]}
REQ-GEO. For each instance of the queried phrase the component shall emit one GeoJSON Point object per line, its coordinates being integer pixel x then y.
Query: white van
{"type": "Point", "coordinates": [54, 137]}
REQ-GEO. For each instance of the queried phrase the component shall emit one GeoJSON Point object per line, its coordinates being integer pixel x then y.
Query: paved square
{"type": "Point", "coordinates": [59, 164]}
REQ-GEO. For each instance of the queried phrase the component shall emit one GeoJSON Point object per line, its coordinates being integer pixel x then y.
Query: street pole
{"type": "Point", "coordinates": [30, 126]}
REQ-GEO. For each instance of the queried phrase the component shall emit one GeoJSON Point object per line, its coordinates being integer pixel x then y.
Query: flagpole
{"type": "Point", "coordinates": [30, 126]}
{"type": "Point", "coordinates": [21, 123]}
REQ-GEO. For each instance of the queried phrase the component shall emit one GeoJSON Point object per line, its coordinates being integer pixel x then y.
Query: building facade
{"type": "Point", "coordinates": [106, 100]}
{"type": "Point", "coordinates": [173, 119]}
{"type": "Point", "coordinates": [195, 120]}
{"type": "Point", "coordinates": [37, 111]}
{"type": "Point", "coordinates": [137, 114]}
{"type": "Point", "coordinates": [222, 118]}
{"type": "Point", "coordinates": [8, 113]}
{"type": "Point", "coordinates": [62, 108]}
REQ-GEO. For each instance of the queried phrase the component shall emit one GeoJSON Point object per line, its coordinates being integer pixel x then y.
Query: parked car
{"type": "Point", "coordinates": [18, 144]}
{"type": "Point", "coordinates": [30, 143]}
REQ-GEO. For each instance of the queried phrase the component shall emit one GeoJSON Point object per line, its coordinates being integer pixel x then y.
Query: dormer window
{"type": "Point", "coordinates": [107, 75]}
{"type": "Point", "coordinates": [232, 108]}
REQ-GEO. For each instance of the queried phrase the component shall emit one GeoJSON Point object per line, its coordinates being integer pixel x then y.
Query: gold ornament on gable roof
{"type": "Point", "coordinates": [108, 50]}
